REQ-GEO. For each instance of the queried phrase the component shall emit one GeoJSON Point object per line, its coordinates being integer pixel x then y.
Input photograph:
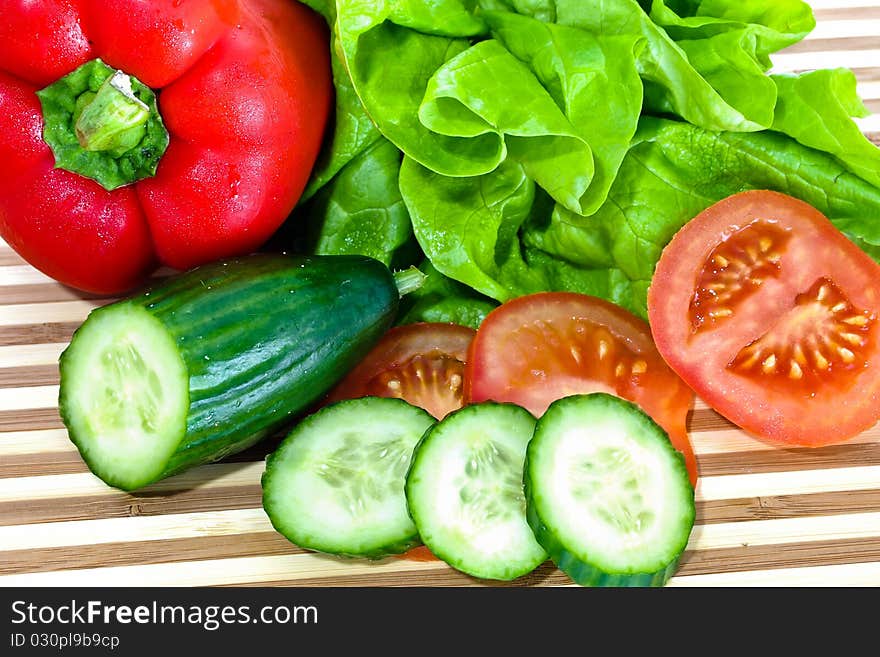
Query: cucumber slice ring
{"type": "Point", "coordinates": [465, 491]}
{"type": "Point", "coordinates": [336, 483]}
{"type": "Point", "coordinates": [608, 496]}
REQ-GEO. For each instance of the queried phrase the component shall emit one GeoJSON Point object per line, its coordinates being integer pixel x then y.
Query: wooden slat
{"type": "Point", "coordinates": [167, 550]}
{"type": "Point", "coordinates": [41, 375]}
{"type": "Point", "coordinates": [778, 531]}
{"type": "Point", "coordinates": [817, 59]}
{"type": "Point", "coordinates": [8, 257]}
{"type": "Point", "coordinates": [862, 6]}
{"type": "Point", "coordinates": [768, 507]}
{"type": "Point", "coordinates": [22, 274]}
{"type": "Point", "coordinates": [30, 418]}
{"type": "Point", "coordinates": [61, 312]}
{"type": "Point", "coordinates": [34, 538]}
{"type": "Point", "coordinates": [133, 529]}
{"type": "Point", "coordinates": [116, 504]}
{"type": "Point", "coordinates": [854, 454]}
{"type": "Point", "coordinates": [833, 569]}
{"type": "Point", "coordinates": [28, 397]}
{"type": "Point", "coordinates": [15, 272]}
{"type": "Point", "coordinates": [27, 355]}
{"type": "Point", "coordinates": [788, 483]}
{"type": "Point", "coordinates": [225, 571]}
{"type": "Point", "coordinates": [869, 90]}
{"type": "Point", "coordinates": [859, 42]}
{"type": "Point", "coordinates": [17, 489]}
{"type": "Point", "coordinates": [25, 334]}
{"type": "Point", "coordinates": [696, 560]}
{"type": "Point", "coordinates": [730, 440]}
{"type": "Point", "coordinates": [832, 33]}
{"type": "Point", "coordinates": [42, 293]}
{"type": "Point", "coordinates": [15, 443]}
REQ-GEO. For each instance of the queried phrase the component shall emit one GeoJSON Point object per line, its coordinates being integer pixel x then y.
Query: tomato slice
{"type": "Point", "coordinates": [772, 316]}
{"type": "Point", "coordinates": [421, 363]}
{"type": "Point", "coordinates": [542, 347]}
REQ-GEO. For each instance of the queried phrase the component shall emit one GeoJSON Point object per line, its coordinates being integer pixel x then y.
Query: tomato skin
{"type": "Point", "coordinates": [541, 347]}
{"type": "Point", "coordinates": [846, 400]}
{"type": "Point", "coordinates": [246, 91]}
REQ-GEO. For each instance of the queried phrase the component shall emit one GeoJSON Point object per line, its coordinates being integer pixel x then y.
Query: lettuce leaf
{"type": "Point", "coordinates": [470, 96]}
{"type": "Point", "coordinates": [708, 65]}
{"type": "Point", "coordinates": [351, 134]}
{"type": "Point", "coordinates": [559, 86]}
{"type": "Point", "coordinates": [360, 211]}
{"type": "Point", "coordinates": [596, 84]}
{"type": "Point", "coordinates": [468, 227]}
{"type": "Point", "coordinates": [676, 170]}
{"type": "Point", "coordinates": [817, 108]}
{"type": "Point", "coordinates": [771, 25]}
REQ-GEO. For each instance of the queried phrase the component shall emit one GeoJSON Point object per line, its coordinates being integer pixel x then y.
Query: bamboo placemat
{"type": "Point", "coordinates": [765, 516]}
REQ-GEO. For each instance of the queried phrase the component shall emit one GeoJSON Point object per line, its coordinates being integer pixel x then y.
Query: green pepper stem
{"type": "Point", "coordinates": [115, 119]}
{"type": "Point", "coordinates": [408, 280]}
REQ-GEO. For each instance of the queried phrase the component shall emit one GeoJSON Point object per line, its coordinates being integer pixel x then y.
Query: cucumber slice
{"type": "Point", "coordinates": [465, 491]}
{"type": "Point", "coordinates": [608, 496]}
{"type": "Point", "coordinates": [336, 483]}
{"type": "Point", "coordinates": [127, 414]}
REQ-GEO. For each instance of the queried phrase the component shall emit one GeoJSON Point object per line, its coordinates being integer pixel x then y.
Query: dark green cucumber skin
{"type": "Point", "coordinates": [580, 571]}
{"type": "Point", "coordinates": [264, 337]}
{"type": "Point", "coordinates": [584, 573]}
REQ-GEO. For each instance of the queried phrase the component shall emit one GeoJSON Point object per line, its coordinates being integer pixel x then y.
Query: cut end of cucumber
{"type": "Point", "coordinates": [124, 395]}
{"type": "Point", "coordinates": [609, 497]}
{"type": "Point", "coordinates": [336, 483]}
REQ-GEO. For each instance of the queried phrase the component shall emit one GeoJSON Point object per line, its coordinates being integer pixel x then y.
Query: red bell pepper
{"type": "Point", "coordinates": [164, 131]}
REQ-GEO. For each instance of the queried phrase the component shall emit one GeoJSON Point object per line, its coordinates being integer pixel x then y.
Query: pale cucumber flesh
{"type": "Point", "coordinates": [465, 492]}
{"type": "Point", "coordinates": [336, 483]}
{"type": "Point", "coordinates": [124, 394]}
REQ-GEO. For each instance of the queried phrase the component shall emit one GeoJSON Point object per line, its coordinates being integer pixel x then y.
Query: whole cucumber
{"type": "Point", "coordinates": [208, 362]}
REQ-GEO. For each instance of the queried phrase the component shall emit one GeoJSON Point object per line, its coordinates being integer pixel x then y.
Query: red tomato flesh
{"type": "Point", "coordinates": [420, 363]}
{"type": "Point", "coordinates": [771, 315]}
{"type": "Point", "coordinates": [535, 349]}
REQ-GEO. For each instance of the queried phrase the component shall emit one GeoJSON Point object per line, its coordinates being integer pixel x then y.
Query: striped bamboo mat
{"type": "Point", "coordinates": [765, 516]}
